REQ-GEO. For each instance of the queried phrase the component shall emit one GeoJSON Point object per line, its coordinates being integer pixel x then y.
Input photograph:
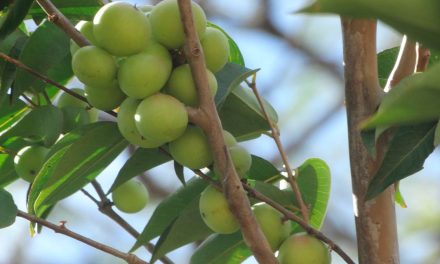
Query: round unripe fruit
{"type": "Point", "coordinates": [215, 212]}
{"type": "Point", "coordinates": [271, 223]}
{"type": "Point", "coordinates": [94, 66]}
{"type": "Point", "coordinates": [86, 29]}
{"type": "Point", "coordinates": [161, 118]}
{"type": "Point", "coordinates": [215, 48]}
{"type": "Point", "coordinates": [121, 29]}
{"type": "Point", "coordinates": [191, 149]}
{"type": "Point", "coordinates": [241, 158]}
{"type": "Point", "coordinates": [70, 106]}
{"type": "Point", "coordinates": [130, 197]}
{"type": "Point", "coordinates": [166, 24]}
{"type": "Point", "coordinates": [105, 98]}
{"type": "Point", "coordinates": [144, 74]}
{"type": "Point", "coordinates": [29, 161]}
{"type": "Point", "coordinates": [127, 126]}
{"type": "Point", "coordinates": [181, 85]}
{"type": "Point", "coordinates": [229, 139]}
{"type": "Point", "coordinates": [303, 249]}
{"type": "Point", "coordinates": [74, 117]}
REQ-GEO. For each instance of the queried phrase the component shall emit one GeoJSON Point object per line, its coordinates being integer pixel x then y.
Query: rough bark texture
{"type": "Point", "coordinates": [375, 219]}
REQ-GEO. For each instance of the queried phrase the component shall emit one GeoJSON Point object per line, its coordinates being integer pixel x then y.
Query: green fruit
{"type": "Point", "coordinates": [303, 249]}
{"type": "Point", "coordinates": [271, 222]}
{"type": "Point", "coordinates": [146, 9]}
{"type": "Point", "coordinates": [241, 158]}
{"type": "Point", "coordinates": [191, 149]}
{"type": "Point", "coordinates": [127, 126]}
{"type": "Point", "coordinates": [121, 29]}
{"type": "Point", "coordinates": [67, 100]}
{"type": "Point", "coordinates": [29, 161]}
{"type": "Point", "coordinates": [74, 117]}
{"type": "Point", "coordinates": [166, 24]}
{"type": "Point", "coordinates": [215, 212]}
{"type": "Point", "coordinates": [86, 29]}
{"type": "Point", "coordinates": [161, 118]}
{"type": "Point", "coordinates": [229, 139]}
{"type": "Point", "coordinates": [144, 74]}
{"type": "Point", "coordinates": [181, 85]}
{"type": "Point", "coordinates": [105, 98]}
{"type": "Point", "coordinates": [215, 48]}
{"type": "Point", "coordinates": [130, 197]}
{"type": "Point", "coordinates": [94, 66]}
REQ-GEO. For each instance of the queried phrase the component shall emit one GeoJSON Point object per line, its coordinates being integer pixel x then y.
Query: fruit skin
{"type": "Point", "coordinates": [161, 117]}
{"type": "Point", "coordinates": [29, 161]}
{"type": "Point", "coordinates": [215, 212]}
{"type": "Point", "coordinates": [181, 85]}
{"type": "Point", "coordinates": [127, 126]}
{"type": "Point", "coordinates": [86, 29]}
{"type": "Point", "coordinates": [241, 158]}
{"type": "Point", "coordinates": [105, 98]}
{"type": "Point", "coordinates": [271, 223]}
{"type": "Point", "coordinates": [215, 48]}
{"type": "Point", "coordinates": [229, 139]}
{"type": "Point", "coordinates": [130, 197]}
{"type": "Point", "coordinates": [94, 66]}
{"type": "Point", "coordinates": [303, 249]}
{"type": "Point", "coordinates": [191, 149]}
{"type": "Point", "coordinates": [144, 74]}
{"type": "Point", "coordinates": [166, 24]}
{"type": "Point", "coordinates": [121, 29]}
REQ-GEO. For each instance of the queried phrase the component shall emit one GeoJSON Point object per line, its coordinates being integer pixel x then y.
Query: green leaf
{"type": "Point", "coordinates": [82, 162]}
{"type": "Point", "coordinates": [398, 197]}
{"type": "Point", "coordinates": [169, 209]}
{"type": "Point", "coordinates": [437, 135]}
{"type": "Point", "coordinates": [188, 227]}
{"type": "Point", "coordinates": [11, 112]}
{"type": "Point", "coordinates": [385, 64]}
{"type": "Point", "coordinates": [16, 13]}
{"type": "Point", "coordinates": [76, 10]}
{"type": "Point", "coordinates": [7, 167]}
{"type": "Point", "coordinates": [222, 249]}
{"type": "Point", "coordinates": [406, 153]}
{"type": "Point", "coordinates": [417, 19]}
{"type": "Point", "coordinates": [40, 124]}
{"type": "Point", "coordinates": [241, 114]}
{"type": "Point", "coordinates": [178, 169]}
{"type": "Point", "coordinates": [263, 170]}
{"type": "Point", "coordinates": [228, 78]}
{"type": "Point", "coordinates": [142, 160]}
{"type": "Point", "coordinates": [235, 55]}
{"type": "Point", "coordinates": [8, 209]}
{"type": "Point", "coordinates": [46, 49]}
{"type": "Point", "coordinates": [414, 100]}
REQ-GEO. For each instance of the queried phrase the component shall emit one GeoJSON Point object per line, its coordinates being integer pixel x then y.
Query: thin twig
{"type": "Point", "coordinates": [104, 206]}
{"type": "Point", "coordinates": [423, 55]}
{"type": "Point", "coordinates": [405, 65]}
{"type": "Point", "coordinates": [46, 96]}
{"type": "Point", "coordinates": [275, 135]}
{"type": "Point", "coordinates": [210, 122]}
{"type": "Point", "coordinates": [32, 104]}
{"type": "Point", "coordinates": [46, 79]}
{"type": "Point", "coordinates": [62, 229]}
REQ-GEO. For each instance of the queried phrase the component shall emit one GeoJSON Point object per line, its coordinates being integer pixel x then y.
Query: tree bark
{"type": "Point", "coordinates": [375, 219]}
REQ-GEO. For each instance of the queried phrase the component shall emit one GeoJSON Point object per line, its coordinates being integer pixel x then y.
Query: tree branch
{"type": "Point", "coordinates": [210, 123]}
{"type": "Point", "coordinates": [129, 258]}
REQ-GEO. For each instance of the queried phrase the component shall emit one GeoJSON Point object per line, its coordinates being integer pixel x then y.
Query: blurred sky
{"type": "Point", "coordinates": [302, 93]}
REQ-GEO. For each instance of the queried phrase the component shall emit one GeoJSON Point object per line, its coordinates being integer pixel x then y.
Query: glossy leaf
{"type": "Point", "coordinates": [46, 49]}
{"type": "Point", "coordinates": [8, 209]}
{"type": "Point", "coordinates": [16, 13]}
{"type": "Point", "coordinates": [263, 170]}
{"type": "Point", "coordinates": [420, 21]}
{"type": "Point", "coordinates": [235, 55]}
{"type": "Point", "coordinates": [40, 124]}
{"type": "Point", "coordinates": [76, 10]}
{"type": "Point", "coordinates": [82, 162]}
{"type": "Point", "coordinates": [142, 160]}
{"type": "Point", "coordinates": [398, 197]}
{"type": "Point", "coordinates": [406, 153]}
{"type": "Point", "coordinates": [178, 169]}
{"type": "Point", "coordinates": [169, 209]}
{"type": "Point", "coordinates": [10, 113]}
{"type": "Point", "coordinates": [385, 64]}
{"type": "Point", "coordinates": [414, 100]}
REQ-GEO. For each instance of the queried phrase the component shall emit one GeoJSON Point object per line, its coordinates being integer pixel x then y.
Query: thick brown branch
{"type": "Point", "coordinates": [210, 123]}
{"type": "Point", "coordinates": [129, 258]}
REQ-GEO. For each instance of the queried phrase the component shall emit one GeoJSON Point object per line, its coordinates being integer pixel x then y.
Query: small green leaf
{"type": "Point", "coordinates": [178, 169]}
{"type": "Point", "coordinates": [82, 162]}
{"type": "Point", "coordinates": [8, 209]}
{"type": "Point", "coordinates": [274, 193]}
{"type": "Point", "coordinates": [222, 249]}
{"type": "Point", "coordinates": [385, 64]}
{"type": "Point", "coordinates": [263, 170]}
{"type": "Point", "coordinates": [11, 112]}
{"type": "Point", "coordinates": [398, 197]}
{"type": "Point", "coordinates": [169, 209]}
{"type": "Point", "coordinates": [142, 160]}
{"type": "Point", "coordinates": [40, 124]}
{"type": "Point", "coordinates": [414, 100]}
{"type": "Point", "coordinates": [235, 55]}
{"type": "Point", "coordinates": [16, 13]}
{"type": "Point", "coordinates": [437, 135]}
{"type": "Point", "coordinates": [7, 167]}
{"type": "Point", "coordinates": [188, 227]}
{"type": "Point", "coordinates": [406, 153]}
